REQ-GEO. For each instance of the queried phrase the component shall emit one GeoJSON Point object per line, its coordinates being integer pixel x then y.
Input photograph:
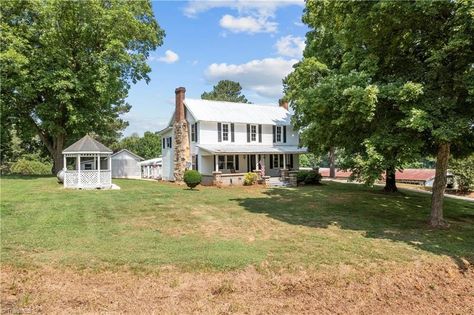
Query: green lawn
{"type": "Point", "coordinates": [147, 225]}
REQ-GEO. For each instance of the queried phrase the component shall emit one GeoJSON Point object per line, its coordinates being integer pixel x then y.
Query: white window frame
{"type": "Point", "coordinates": [225, 161]}
{"type": "Point", "coordinates": [228, 132]}
{"type": "Point", "coordinates": [193, 133]}
{"type": "Point", "coordinates": [253, 134]}
{"type": "Point", "coordinates": [279, 128]}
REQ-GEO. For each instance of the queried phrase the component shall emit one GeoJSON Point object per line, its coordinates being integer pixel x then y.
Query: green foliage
{"type": "Point", "coordinates": [28, 167]}
{"type": "Point", "coordinates": [148, 146]}
{"type": "Point", "coordinates": [309, 160]}
{"type": "Point", "coordinates": [301, 176]}
{"type": "Point", "coordinates": [250, 178]}
{"type": "Point", "coordinates": [463, 170]}
{"type": "Point", "coordinates": [313, 178]}
{"type": "Point", "coordinates": [192, 178]}
{"type": "Point", "coordinates": [310, 177]}
{"type": "Point", "coordinates": [386, 103]}
{"type": "Point", "coordinates": [67, 66]}
{"type": "Point", "coordinates": [226, 90]}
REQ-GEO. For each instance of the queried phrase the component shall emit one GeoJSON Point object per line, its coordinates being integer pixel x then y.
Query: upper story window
{"type": "Point", "coordinates": [253, 133]}
{"type": "Point", "coordinates": [225, 132]}
{"type": "Point", "coordinates": [194, 132]}
{"type": "Point", "coordinates": [278, 133]}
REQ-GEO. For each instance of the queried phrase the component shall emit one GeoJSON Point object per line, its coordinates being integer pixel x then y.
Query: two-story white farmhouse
{"type": "Point", "coordinates": [225, 140]}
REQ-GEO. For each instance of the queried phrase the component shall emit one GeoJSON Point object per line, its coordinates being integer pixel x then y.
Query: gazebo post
{"type": "Point", "coordinates": [98, 169]}
{"type": "Point", "coordinates": [64, 163]}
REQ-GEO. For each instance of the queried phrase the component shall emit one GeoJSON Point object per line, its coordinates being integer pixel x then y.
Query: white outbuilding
{"type": "Point", "coordinates": [126, 164]}
{"type": "Point", "coordinates": [152, 168]}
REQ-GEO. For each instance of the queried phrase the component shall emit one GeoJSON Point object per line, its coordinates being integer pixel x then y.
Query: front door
{"type": "Point", "coordinates": [251, 162]}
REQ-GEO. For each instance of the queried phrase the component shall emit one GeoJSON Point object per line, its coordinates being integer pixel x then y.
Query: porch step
{"type": "Point", "coordinates": [276, 182]}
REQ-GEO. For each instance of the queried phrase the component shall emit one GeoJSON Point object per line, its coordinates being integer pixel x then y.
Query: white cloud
{"type": "Point", "coordinates": [262, 76]}
{"type": "Point", "coordinates": [169, 57]}
{"type": "Point", "coordinates": [290, 46]}
{"type": "Point", "coordinates": [267, 7]}
{"type": "Point", "coordinates": [254, 16]}
{"type": "Point", "coordinates": [247, 24]}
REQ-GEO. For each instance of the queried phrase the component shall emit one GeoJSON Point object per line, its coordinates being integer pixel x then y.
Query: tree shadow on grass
{"type": "Point", "coordinates": [398, 216]}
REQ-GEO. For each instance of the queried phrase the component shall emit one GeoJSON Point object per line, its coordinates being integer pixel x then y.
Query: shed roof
{"type": "Point", "coordinates": [87, 144]}
{"type": "Point", "coordinates": [204, 110]}
{"type": "Point", "coordinates": [136, 156]}
{"type": "Point", "coordinates": [155, 161]}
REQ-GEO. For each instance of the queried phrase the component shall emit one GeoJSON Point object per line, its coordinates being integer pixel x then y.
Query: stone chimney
{"type": "Point", "coordinates": [182, 153]}
{"type": "Point", "coordinates": [283, 103]}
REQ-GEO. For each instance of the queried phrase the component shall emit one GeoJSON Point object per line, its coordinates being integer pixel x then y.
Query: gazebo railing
{"type": "Point", "coordinates": [87, 178]}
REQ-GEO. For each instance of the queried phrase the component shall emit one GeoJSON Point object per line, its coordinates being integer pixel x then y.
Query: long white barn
{"type": "Point", "coordinates": [227, 140]}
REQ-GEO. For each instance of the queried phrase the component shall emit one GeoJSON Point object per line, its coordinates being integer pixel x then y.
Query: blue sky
{"type": "Point", "coordinates": [252, 42]}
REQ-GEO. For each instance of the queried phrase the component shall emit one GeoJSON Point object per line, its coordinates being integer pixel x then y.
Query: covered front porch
{"type": "Point", "coordinates": [231, 163]}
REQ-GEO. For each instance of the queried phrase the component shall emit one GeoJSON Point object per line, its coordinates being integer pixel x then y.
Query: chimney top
{"type": "Point", "coordinates": [283, 103]}
{"type": "Point", "coordinates": [180, 89]}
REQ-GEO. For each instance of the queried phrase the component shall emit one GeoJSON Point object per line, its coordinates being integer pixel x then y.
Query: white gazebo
{"type": "Point", "coordinates": [92, 167]}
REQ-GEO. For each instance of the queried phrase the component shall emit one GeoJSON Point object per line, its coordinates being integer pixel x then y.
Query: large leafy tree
{"type": "Point", "coordinates": [67, 66]}
{"type": "Point", "coordinates": [226, 90]}
{"type": "Point", "coordinates": [391, 78]}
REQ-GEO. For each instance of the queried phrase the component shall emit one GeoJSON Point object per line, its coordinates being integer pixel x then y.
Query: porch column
{"type": "Point", "coordinates": [78, 162]}
{"type": "Point", "coordinates": [256, 162]}
{"type": "Point", "coordinates": [110, 164]}
{"type": "Point", "coordinates": [284, 161]}
{"type": "Point", "coordinates": [216, 158]}
{"type": "Point", "coordinates": [98, 169]}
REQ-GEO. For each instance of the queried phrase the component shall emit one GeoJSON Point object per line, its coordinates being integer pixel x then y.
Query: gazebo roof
{"type": "Point", "coordinates": [87, 144]}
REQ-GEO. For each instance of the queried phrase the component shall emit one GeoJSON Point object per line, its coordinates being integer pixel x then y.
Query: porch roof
{"type": "Point", "coordinates": [250, 149]}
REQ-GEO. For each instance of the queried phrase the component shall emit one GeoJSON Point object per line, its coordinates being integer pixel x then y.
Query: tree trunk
{"type": "Point", "coordinates": [390, 183]}
{"type": "Point", "coordinates": [57, 153]}
{"type": "Point", "coordinates": [439, 186]}
{"type": "Point", "coordinates": [332, 163]}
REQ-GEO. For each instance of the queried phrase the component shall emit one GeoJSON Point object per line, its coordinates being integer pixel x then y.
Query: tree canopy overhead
{"type": "Point", "coordinates": [387, 81]}
{"type": "Point", "coordinates": [226, 90]}
{"type": "Point", "coordinates": [67, 66]}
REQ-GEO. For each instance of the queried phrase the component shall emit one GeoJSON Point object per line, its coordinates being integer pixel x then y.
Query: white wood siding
{"type": "Point", "coordinates": [125, 165]}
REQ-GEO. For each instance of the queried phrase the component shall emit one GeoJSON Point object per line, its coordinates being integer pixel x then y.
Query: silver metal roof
{"type": "Point", "coordinates": [251, 149]}
{"type": "Point", "coordinates": [130, 153]}
{"type": "Point", "coordinates": [155, 161]}
{"type": "Point", "coordinates": [204, 110]}
{"type": "Point", "coordinates": [87, 144]}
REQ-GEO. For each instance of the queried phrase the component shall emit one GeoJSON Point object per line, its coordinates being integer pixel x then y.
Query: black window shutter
{"type": "Point", "coordinates": [232, 136]}
{"type": "Point", "coordinates": [219, 134]}
{"type": "Point", "coordinates": [163, 144]}
{"type": "Point", "coordinates": [284, 134]}
{"type": "Point", "coordinates": [271, 160]}
{"type": "Point", "coordinates": [196, 132]}
{"type": "Point", "coordinates": [259, 133]}
{"type": "Point", "coordinates": [274, 133]}
{"type": "Point", "coordinates": [248, 133]}
{"type": "Point", "coordinates": [236, 162]}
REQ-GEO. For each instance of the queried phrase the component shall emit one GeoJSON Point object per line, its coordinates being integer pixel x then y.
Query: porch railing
{"type": "Point", "coordinates": [87, 178]}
